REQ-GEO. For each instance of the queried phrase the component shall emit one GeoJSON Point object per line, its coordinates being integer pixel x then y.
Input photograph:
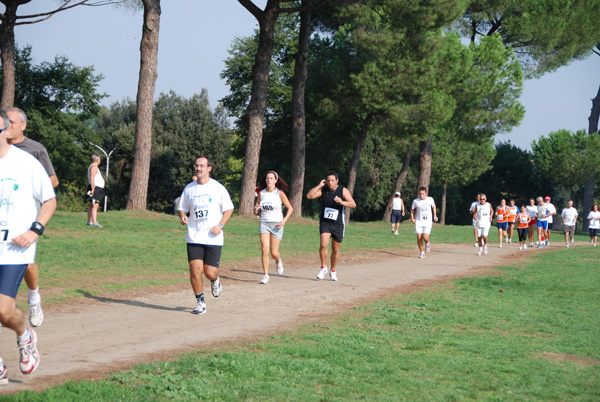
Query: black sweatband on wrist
{"type": "Point", "coordinates": [37, 228]}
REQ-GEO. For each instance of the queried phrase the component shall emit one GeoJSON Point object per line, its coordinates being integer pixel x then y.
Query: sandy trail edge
{"type": "Point", "coordinates": [106, 334]}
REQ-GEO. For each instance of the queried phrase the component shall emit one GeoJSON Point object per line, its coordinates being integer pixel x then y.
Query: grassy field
{"type": "Point", "coordinates": [466, 340]}
{"type": "Point", "coordinates": [143, 249]}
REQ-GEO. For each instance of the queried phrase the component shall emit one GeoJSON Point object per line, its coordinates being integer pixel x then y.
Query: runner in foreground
{"type": "Point", "coordinates": [421, 212]}
{"type": "Point", "coordinates": [271, 197]}
{"type": "Point", "coordinates": [28, 202]}
{"type": "Point", "coordinates": [210, 207]}
{"type": "Point", "coordinates": [332, 220]}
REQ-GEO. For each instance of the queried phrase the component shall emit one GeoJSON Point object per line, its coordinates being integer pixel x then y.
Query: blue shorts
{"type": "Point", "coordinates": [593, 232]}
{"type": "Point", "coordinates": [11, 277]}
{"type": "Point", "coordinates": [542, 224]}
{"type": "Point", "coordinates": [502, 225]}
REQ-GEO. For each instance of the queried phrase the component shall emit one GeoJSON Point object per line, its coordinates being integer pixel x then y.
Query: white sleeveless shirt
{"type": "Point", "coordinates": [98, 179]}
{"type": "Point", "coordinates": [270, 206]}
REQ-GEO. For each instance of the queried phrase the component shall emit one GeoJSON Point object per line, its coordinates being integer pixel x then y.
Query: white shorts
{"type": "Point", "coordinates": [483, 231]}
{"type": "Point", "coordinates": [422, 229]}
{"type": "Point", "coordinates": [474, 224]}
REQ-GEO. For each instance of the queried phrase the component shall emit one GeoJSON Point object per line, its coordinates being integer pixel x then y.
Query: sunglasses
{"type": "Point", "coordinates": [2, 129]}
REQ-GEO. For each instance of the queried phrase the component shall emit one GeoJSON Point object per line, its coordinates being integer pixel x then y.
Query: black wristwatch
{"type": "Point", "coordinates": [37, 228]}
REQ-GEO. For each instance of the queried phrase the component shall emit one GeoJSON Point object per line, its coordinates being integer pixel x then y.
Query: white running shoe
{"type": "Point", "coordinates": [480, 252]}
{"type": "Point", "coordinates": [476, 245]}
{"type": "Point", "coordinates": [265, 280]}
{"type": "Point", "coordinates": [200, 308]}
{"type": "Point", "coordinates": [485, 251]}
{"type": "Point", "coordinates": [216, 288]}
{"type": "Point", "coordinates": [509, 241]}
{"type": "Point", "coordinates": [422, 254]}
{"type": "Point", "coordinates": [567, 245]}
{"type": "Point", "coordinates": [428, 247]}
{"type": "Point", "coordinates": [499, 245]}
{"type": "Point", "coordinates": [36, 315]}
{"type": "Point", "coordinates": [322, 272]}
{"type": "Point", "coordinates": [280, 268]}
{"type": "Point", "coordinates": [333, 275]}
{"type": "Point", "coordinates": [30, 358]}
{"type": "Point", "coordinates": [4, 376]}
{"type": "Point", "coordinates": [396, 233]}
{"type": "Point", "coordinates": [530, 244]}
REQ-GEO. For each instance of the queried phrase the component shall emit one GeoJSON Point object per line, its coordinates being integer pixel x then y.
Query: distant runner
{"type": "Point", "coordinates": [569, 220]}
{"type": "Point", "coordinates": [483, 214]}
{"type": "Point", "coordinates": [421, 213]}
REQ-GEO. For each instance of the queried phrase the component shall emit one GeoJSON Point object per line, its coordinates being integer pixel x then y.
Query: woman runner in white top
{"type": "Point", "coordinates": [271, 196]}
{"type": "Point", "coordinates": [594, 227]}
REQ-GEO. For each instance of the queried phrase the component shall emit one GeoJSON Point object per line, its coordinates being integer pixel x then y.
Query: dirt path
{"type": "Point", "coordinates": [105, 334]}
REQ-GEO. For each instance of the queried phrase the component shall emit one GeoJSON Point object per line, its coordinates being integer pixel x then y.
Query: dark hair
{"type": "Point", "coordinates": [208, 161]}
{"type": "Point", "coordinates": [279, 184]}
{"type": "Point", "coordinates": [423, 188]}
{"type": "Point", "coordinates": [592, 208]}
{"type": "Point", "coordinates": [332, 173]}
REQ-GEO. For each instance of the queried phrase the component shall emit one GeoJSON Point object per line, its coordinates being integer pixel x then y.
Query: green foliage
{"type": "Point", "coordinates": [59, 99]}
{"type": "Point", "coordinates": [513, 176]}
{"type": "Point", "coordinates": [568, 159]}
{"type": "Point", "coordinates": [545, 34]}
{"type": "Point", "coordinates": [183, 129]}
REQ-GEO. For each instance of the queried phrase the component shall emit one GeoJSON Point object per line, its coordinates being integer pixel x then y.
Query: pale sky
{"type": "Point", "coordinates": [195, 36]}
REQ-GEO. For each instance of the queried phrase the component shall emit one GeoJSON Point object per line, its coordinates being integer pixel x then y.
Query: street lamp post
{"type": "Point", "coordinates": [107, 163]}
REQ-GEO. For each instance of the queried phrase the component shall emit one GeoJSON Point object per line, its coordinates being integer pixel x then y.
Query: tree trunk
{"type": "Point", "coordinates": [399, 183]}
{"type": "Point", "coordinates": [358, 147]}
{"type": "Point", "coordinates": [298, 113]}
{"type": "Point", "coordinates": [425, 159]}
{"type": "Point", "coordinates": [588, 191]}
{"type": "Point", "coordinates": [8, 54]}
{"type": "Point", "coordinates": [138, 189]}
{"type": "Point", "coordinates": [443, 214]}
{"type": "Point", "coordinates": [258, 106]}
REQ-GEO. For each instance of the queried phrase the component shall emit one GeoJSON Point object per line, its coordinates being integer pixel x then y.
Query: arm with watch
{"type": "Point", "coordinates": [219, 228]}
{"type": "Point", "coordinates": [37, 228]}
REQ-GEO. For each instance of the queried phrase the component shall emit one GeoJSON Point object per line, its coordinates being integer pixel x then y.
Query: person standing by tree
{"type": "Point", "coordinates": [28, 204]}
{"type": "Point", "coordinates": [569, 220]}
{"type": "Point", "coordinates": [512, 217]}
{"type": "Point", "coordinates": [397, 208]}
{"type": "Point", "coordinates": [551, 211]}
{"type": "Point", "coordinates": [523, 219]}
{"type": "Point", "coordinates": [18, 124]}
{"type": "Point", "coordinates": [421, 212]}
{"type": "Point", "coordinates": [95, 191]}
{"type": "Point", "coordinates": [332, 220]}
{"type": "Point", "coordinates": [502, 221]}
{"type": "Point", "coordinates": [483, 214]}
{"type": "Point", "coordinates": [210, 207]}
{"type": "Point", "coordinates": [271, 196]}
{"type": "Point", "coordinates": [594, 219]}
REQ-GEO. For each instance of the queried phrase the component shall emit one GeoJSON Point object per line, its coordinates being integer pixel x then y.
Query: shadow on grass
{"type": "Point", "coordinates": [129, 302]}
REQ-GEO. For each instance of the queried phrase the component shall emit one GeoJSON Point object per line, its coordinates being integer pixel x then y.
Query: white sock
{"type": "Point", "coordinates": [25, 337]}
{"type": "Point", "coordinates": [34, 297]}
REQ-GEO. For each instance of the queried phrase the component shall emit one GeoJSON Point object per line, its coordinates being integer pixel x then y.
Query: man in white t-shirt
{"type": "Point", "coordinates": [551, 212]}
{"type": "Point", "coordinates": [421, 213]}
{"type": "Point", "coordinates": [483, 215]}
{"type": "Point", "coordinates": [28, 202]}
{"type": "Point", "coordinates": [209, 206]}
{"type": "Point", "coordinates": [569, 219]}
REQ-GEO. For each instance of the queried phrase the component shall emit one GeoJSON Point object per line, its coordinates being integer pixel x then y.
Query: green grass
{"type": "Point", "coordinates": [462, 341]}
{"type": "Point", "coordinates": [136, 250]}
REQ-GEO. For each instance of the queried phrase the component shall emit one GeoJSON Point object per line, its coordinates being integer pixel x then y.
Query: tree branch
{"type": "Point", "coordinates": [64, 7]}
{"type": "Point", "coordinates": [252, 8]}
